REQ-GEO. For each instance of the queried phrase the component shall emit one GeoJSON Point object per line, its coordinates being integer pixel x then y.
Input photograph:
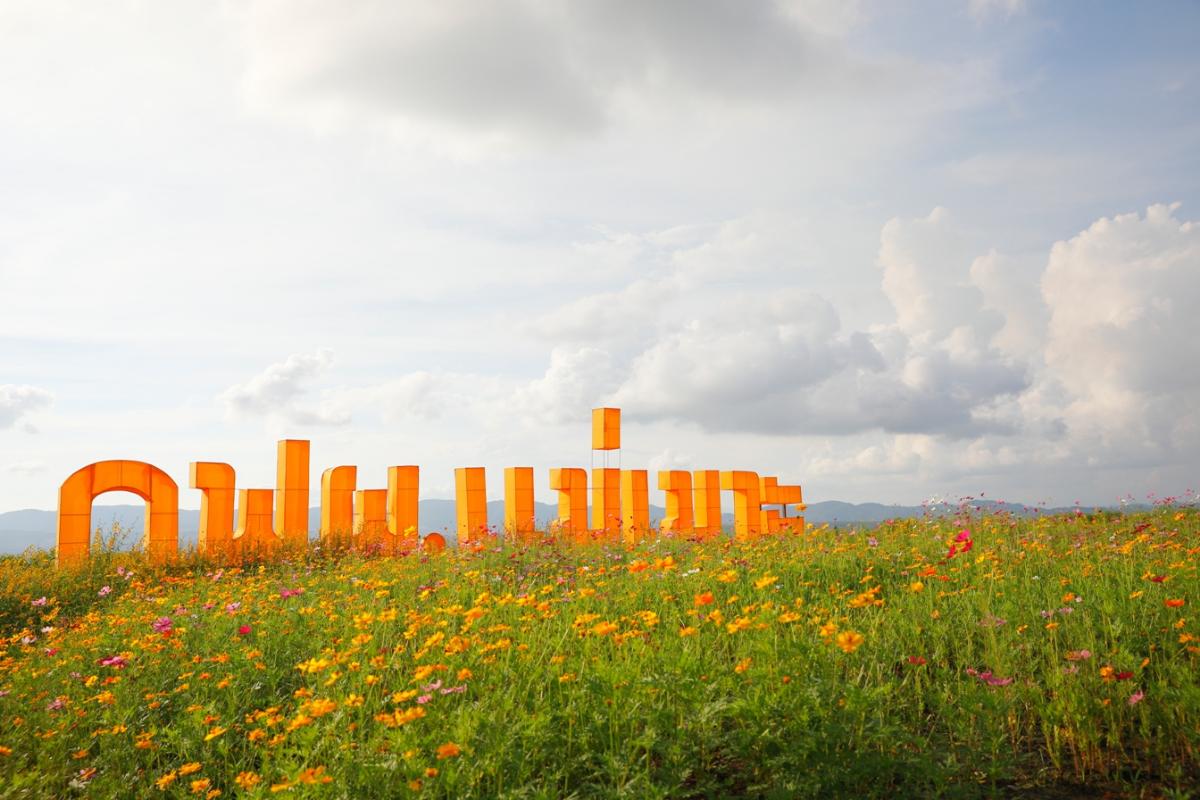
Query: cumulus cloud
{"type": "Point", "coordinates": [1123, 335]}
{"type": "Point", "coordinates": [542, 68]}
{"type": "Point", "coordinates": [281, 389]}
{"type": "Point", "coordinates": [16, 401]}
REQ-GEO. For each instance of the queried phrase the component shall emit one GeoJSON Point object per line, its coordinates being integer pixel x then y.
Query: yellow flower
{"type": "Point", "coordinates": [247, 780]}
{"type": "Point", "coordinates": [566, 677]}
{"type": "Point", "coordinates": [405, 696]}
{"type": "Point", "coordinates": [448, 750]}
{"type": "Point", "coordinates": [431, 772]}
{"type": "Point", "coordinates": [213, 733]}
{"type": "Point", "coordinates": [200, 786]}
{"type": "Point", "coordinates": [319, 707]}
{"type": "Point", "coordinates": [728, 576]}
{"type": "Point", "coordinates": [765, 581]}
{"type": "Point", "coordinates": [604, 628]}
{"type": "Point", "coordinates": [189, 768]}
{"type": "Point", "coordinates": [916, 586]}
{"type": "Point", "coordinates": [464, 674]}
{"type": "Point", "coordinates": [166, 780]}
{"type": "Point", "coordinates": [849, 641]}
{"type": "Point", "coordinates": [743, 665]}
{"type": "Point", "coordinates": [828, 629]}
{"type": "Point", "coordinates": [688, 631]}
{"type": "Point", "coordinates": [739, 624]}
{"type": "Point", "coordinates": [5, 751]}
{"type": "Point", "coordinates": [788, 616]}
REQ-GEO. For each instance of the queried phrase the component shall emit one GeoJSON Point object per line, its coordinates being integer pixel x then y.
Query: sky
{"type": "Point", "coordinates": [889, 251]}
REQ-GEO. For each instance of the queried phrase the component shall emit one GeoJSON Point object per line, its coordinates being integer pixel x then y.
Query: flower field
{"type": "Point", "coordinates": [960, 656]}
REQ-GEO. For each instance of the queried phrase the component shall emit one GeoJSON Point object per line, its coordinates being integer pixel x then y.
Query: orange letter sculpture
{"type": "Point", "coordinates": [768, 495]}
{"type": "Point", "coordinates": [147, 481]}
{"type": "Point", "coordinates": [403, 506]}
{"type": "Point", "coordinates": [606, 429]}
{"type": "Point", "coordinates": [606, 500]}
{"type": "Point", "coordinates": [370, 519]}
{"type": "Point", "coordinates": [291, 491]}
{"type": "Point", "coordinates": [518, 503]}
{"type": "Point", "coordinates": [747, 508]}
{"type": "Point", "coordinates": [635, 500]}
{"type": "Point", "coordinates": [337, 502]}
{"type": "Point", "coordinates": [677, 483]}
{"type": "Point", "coordinates": [706, 489]}
{"type": "Point", "coordinates": [571, 485]}
{"type": "Point", "coordinates": [470, 503]}
{"type": "Point", "coordinates": [254, 535]}
{"type": "Point", "coordinates": [215, 480]}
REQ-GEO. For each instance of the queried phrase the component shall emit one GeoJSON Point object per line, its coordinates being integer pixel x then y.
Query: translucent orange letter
{"type": "Point", "coordinates": [635, 500]}
{"type": "Point", "coordinates": [606, 500]}
{"type": "Point", "coordinates": [291, 491]}
{"type": "Point", "coordinates": [337, 502]}
{"type": "Point", "coordinates": [571, 485]}
{"type": "Point", "coordinates": [470, 503]}
{"type": "Point", "coordinates": [677, 483]}
{"type": "Point", "coordinates": [215, 480]}
{"type": "Point", "coordinates": [706, 489]}
{"type": "Point", "coordinates": [147, 481]}
{"type": "Point", "coordinates": [747, 507]}
{"type": "Point", "coordinates": [518, 502]}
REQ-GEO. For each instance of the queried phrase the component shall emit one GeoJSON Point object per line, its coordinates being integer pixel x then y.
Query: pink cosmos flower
{"type": "Point", "coordinates": [105, 591]}
{"type": "Point", "coordinates": [1136, 697]}
{"type": "Point", "coordinates": [117, 662]}
{"type": "Point", "coordinates": [163, 625]}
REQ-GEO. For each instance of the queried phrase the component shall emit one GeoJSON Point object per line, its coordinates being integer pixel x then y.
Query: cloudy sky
{"type": "Point", "coordinates": [890, 251]}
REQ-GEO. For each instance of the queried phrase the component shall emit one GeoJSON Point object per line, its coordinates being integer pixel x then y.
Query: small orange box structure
{"type": "Point", "coordinates": [254, 534]}
{"type": "Point", "coordinates": [215, 480]}
{"type": "Point", "coordinates": [706, 492]}
{"type": "Point", "coordinates": [768, 490]}
{"type": "Point", "coordinates": [747, 507]}
{"type": "Point", "coordinates": [75, 496]}
{"type": "Point", "coordinates": [606, 500]}
{"type": "Point", "coordinates": [635, 504]}
{"type": "Point", "coordinates": [677, 483]}
{"type": "Point", "coordinates": [403, 506]}
{"type": "Point", "coordinates": [370, 519]}
{"type": "Point", "coordinates": [291, 491]}
{"type": "Point", "coordinates": [470, 503]}
{"type": "Point", "coordinates": [790, 495]}
{"type": "Point", "coordinates": [518, 502]}
{"type": "Point", "coordinates": [571, 485]}
{"type": "Point", "coordinates": [771, 521]}
{"type": "Point", "coordinates": [337, 502]}
{"type": "Point", "coordinates": [606, 429]}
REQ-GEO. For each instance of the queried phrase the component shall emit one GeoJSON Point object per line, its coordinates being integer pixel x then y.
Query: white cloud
{"type": "Point", "coordinates": [279, 391]}
{"type": "Point", "coordinates": [26, 468]}
{"type": "Point", "coordinates": [983, 9]}
{"type": "Point", "coordinates": [1123, 334]}
{"type": "Point", "coordinates": [544, 70]}
{"type": "Point", "coordinates": [16, 401]}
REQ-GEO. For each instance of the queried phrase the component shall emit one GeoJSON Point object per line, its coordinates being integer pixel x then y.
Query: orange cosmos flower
{"type": "Point", "coordinates": [849, 641]}
{"type": "Point", "coordinates": [704, 598]}
{"type": "Point", "coordinates": [448, 750]}
{"type": "Point", "coordinates": [1174, 603]}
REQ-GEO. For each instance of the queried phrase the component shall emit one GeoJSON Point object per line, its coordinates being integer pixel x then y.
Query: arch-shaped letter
{"type": "Point", "coordinates": [255, 535]}
{"type": "Point", "coordinates": [147, 481]}
{"type": "Point", "coordinates": [215, 480]}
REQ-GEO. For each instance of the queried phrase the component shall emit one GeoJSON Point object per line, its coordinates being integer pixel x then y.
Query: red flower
{"type": "Point", "coordinates": [918, 660]}
{"type": "Point", "coordinates": [243, 630]}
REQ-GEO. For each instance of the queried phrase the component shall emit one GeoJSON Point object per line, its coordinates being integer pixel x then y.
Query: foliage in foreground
{"type": "Point", "coordinates": [959, 657]}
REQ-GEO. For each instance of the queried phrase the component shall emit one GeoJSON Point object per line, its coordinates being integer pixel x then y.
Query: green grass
{"type": "Point", "coordinates": [570, 674]}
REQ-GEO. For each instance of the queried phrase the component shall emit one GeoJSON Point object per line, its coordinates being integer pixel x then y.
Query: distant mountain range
{"type": "Point", "coordinates": [35, 528]}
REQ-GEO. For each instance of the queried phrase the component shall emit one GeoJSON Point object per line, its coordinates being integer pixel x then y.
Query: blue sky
{"type": "Point", "coordinates": [889, 251]}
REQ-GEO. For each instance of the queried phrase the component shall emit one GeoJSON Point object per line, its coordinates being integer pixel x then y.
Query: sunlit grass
{"type": "Point", "coordinates": [961, 656]}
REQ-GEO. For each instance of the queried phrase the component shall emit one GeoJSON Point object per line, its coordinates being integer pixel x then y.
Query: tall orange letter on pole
{"type": "Point", "coordinates": [337, 502]}
{"type": "Point", "coordinates": [706, 489]}
{"type": "Point", "coordinates": [571, 485]}
{"type": "Point", "coordinates": [291, 491]}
